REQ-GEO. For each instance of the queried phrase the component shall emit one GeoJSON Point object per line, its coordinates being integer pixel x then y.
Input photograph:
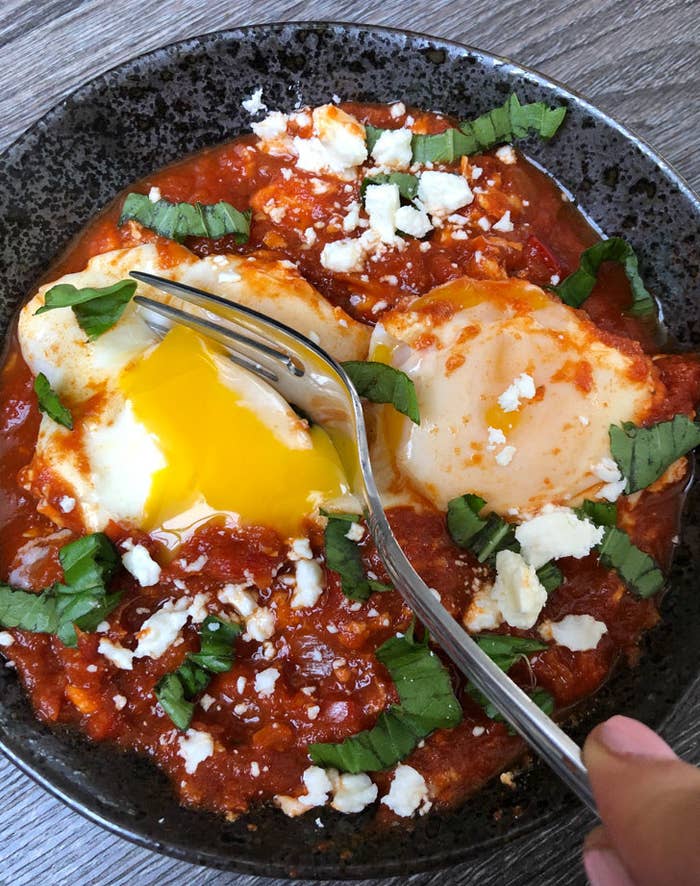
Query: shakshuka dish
{"type": "Point", "coordinates": [185, 572]}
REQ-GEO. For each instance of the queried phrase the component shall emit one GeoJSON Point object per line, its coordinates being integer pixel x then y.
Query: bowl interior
{"type": "Point", "coordinates": [179, 99]}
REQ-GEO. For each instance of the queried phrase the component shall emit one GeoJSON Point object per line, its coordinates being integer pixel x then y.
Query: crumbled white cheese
{"type": "Point", "coordinates": [194, 747]}
{"type": "Point", "coordinates": [6, 639]}
{"type": "Point", "coordinates": [398, 109]}
{"type": "Point", "coordinates": [577, 632]}
{"type": "Point", "coordinates": [504, 224]}
{"type": "Point", "coordinates": [313, 712]}
{"type": "Point", "coordinates": [517, 590]}
{"type": "Point", "coordinates": [393, 148]}
{"type": "Point", "coordinates": [505, 456]}
{"type": "Point", "coordinates": [522, 388]}
{"type": "Point", "coordinates": [506, 155]}
{"type": "Point", "coordinates": [476, 172]}
{"type": "Point", "coordinates": [343, 256]}
{"type": "Point", "coordinates": [310, 236]}
{"type": "Point", "coordinates": [382, 202]}
{"type": "Point", "coordinates": [116, 653]}
{"type": "Point", "coordinates": [240, 598]}
{"type": "Point", "coordinates": [154, 195]}
{"type": "Point", "coordinates": [140, 564]}
{"type": "Point", "coordinates": [608, 471]}
{"type": "Point", "coordinates": [254, 104]}
{"type": "Point", "coordinates": [206, 701]}
{"type": "Point", "coordinates": [408, 792]}
{"type": "Point", "coordinates": [161, 630]}
{"type": "Point", "coordinates": [443, 193]}
{"type": "Point", "coordinates": [119, 701]}
{"type": "Point", "coordinates": [484, 223]}
{"type": "Point", "coordinates": [484, 613]}
{"type": "Point", "coordinates": [309, 584]}
{"type": "Point", "coordinates": [265, 682]}
{"type": "Point", "coordinates": [356, 532]}
{"type": "Point", "coordinates": [240, 685]}
{"type": "Point", "coordinates": [261, 624]}
{"type": "Point", "coordinates": [196, 565]}
{"type": "Point", "coordinates": [496, 437]}
{"type": "Point", "coordinates": [478, 731]}
{"type": "Point", "coordinates": [272, 127]}
{"type": "Point", "coordinates": [337, 146]}
{"type": "Point", "coordinates": [412, 221]}
{"type": "Point", "coordinates": [585, 421]}
{"type": "Point", "coordinates": [300, 549]}
{"type": "Point", "coordinates": [352, 219]}
{"type": "Point", "coordinates": [556, 534]}
{"type": "Point", "coordinates": [352, 793]}
{"type": "Point", "coordinates": [66, 503]}
{"type": "Point", "coordinates": [554, 279]}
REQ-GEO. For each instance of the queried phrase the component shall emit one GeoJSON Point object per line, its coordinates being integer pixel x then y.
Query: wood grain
{"type": "Point", "coordinates": [636, 60]}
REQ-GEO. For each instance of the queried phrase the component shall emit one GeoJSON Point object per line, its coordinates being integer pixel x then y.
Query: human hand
{"type": "Point", "coordinates": [649, 803]}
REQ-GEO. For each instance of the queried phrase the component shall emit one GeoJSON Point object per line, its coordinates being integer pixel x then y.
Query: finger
{"type": "Point", "coordinates": [649, 802]}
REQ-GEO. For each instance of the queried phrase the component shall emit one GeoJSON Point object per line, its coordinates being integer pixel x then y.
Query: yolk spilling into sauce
{"type": "Point", "coordinates": [222, 449]}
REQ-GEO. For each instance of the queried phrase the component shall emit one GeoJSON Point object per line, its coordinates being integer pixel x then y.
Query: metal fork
{"type": "Point", "coordinates": [308, 377]}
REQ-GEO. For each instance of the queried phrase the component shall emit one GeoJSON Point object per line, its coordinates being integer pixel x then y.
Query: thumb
{"type": "Point", "coordinates": [649, 802]}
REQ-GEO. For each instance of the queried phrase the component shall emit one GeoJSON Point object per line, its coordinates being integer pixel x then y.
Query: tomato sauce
{"type": "Point", "coordinates": [330, 683]}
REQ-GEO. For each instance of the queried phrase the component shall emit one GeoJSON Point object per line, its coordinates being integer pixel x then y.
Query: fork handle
{"type": "Point", "coordinates": [540, 732]}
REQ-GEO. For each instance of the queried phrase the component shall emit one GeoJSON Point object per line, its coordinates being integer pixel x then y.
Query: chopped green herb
{"type": "Point", "coordinates": [384, 384]}
{"type": "Point", "coordinates": [344, 557]}
{"type": "Point", "coordinates": [550, 576]}
{"type": "Point", "coordinates": [602, 513]}
{"type": "Point", "coordinates": [82, 601]}
{"type": "Point", "coordinates": [485, 537]}
{"type": "Point", "coordinates": [643, 454]}
{"type": "Point", "coordinates": [406, 183]}
{"type": "Point", "coordinates": [638, 570]}
{"type": "Point", "coordinates": [96, 310]}
{"type": "Point", "coordinates": [576, 288]}
{"type": "Point", "coordinates": [427, 703]}
{"type": "Point", "coordinates": [504, 124]}
{"type": "Point", "coordinates": [50, 403]}
{"type": "Point", "coordinates": [372, 135]}
{"type": "Point", "coordinates": [505, 651]}
{"type": "Point", "coordinates": [175, 691]}
{"type": "Point", "coordinates": [176, 221]}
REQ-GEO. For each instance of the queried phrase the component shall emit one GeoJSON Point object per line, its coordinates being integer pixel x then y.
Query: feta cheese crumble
{"type": "Point", "coordinates": [265, 682]}
{"type": "Point", "coordinates": [442, 193]}
{"type": "Point", "coordinates": [352, 793]}
{"type": "Point", "coordinates": [309, 584]}
{"type": "Point", "coordinates": [356, 532]}
{"type": "Point", "coordinates": [505, 456]}
{"type": "Point", "coordinates": [254, 104]}
{"type": "Point", "coordinates": [343, 256]}
{"type": "Point", "coordinates": [318, 786]}
{"type": "Point", "coordinates": [506, 154]}
{"type": "Point", "coordinates": [393, 149]}
{"type": "Point", "coordinates": [517, 590]}
{"type": "Point", "coordinates": [337, 146]}
{"type": "Point", "coordinates": [555, 534]}
{"type": "Point", "coordinates": [140, 564]}
{"type": "Point", "coordinates": [412, 221]}
{"type": "Point", "coordinates": [382, 202]}
{"type": "Point", "coordinates": [522, 388]}
{"type": "Point", "coordinates": [578, 633]}
{"type": "Point", "coordinates": [194, 747]}
{"type": "Point", "coordinates": [408, 792]}
{"type": "Point", "coordinates": [6, 639]}
{"type": "Point", "coordinates": [504, 224]}
{"type": "Point", "coordinates": [496, 437]}
{"type": "Point", "coordinates": [608, 471]}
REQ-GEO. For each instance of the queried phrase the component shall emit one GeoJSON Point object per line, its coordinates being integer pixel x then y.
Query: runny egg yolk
{"type": "Point", "coordinates": [221, 449]}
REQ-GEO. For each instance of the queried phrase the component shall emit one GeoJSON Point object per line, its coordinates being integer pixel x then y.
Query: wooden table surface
{"type": "Point", "coordinates": [636, 60]}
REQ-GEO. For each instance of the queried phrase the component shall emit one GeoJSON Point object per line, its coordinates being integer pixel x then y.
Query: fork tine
{"type": "Point", "coordinates": [212, 330]}
{"type": "Point", "coordinates": [206, 300]}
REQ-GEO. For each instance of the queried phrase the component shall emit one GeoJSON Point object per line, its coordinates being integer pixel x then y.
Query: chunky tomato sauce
{"type": "Point", "coordinates": [331, 685]}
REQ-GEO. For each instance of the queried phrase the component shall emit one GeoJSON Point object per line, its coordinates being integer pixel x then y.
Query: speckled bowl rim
{"type": "Point", "coordinates": [384, 868]}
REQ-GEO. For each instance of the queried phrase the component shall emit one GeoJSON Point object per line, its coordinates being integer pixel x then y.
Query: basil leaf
{"type": "Point", "coordinates": [637, 569]}
{"type": "Point", "coordinates": [406, 183]}
{"type": "Point", "coordinates": [216, 645]}
{"type": "Point", "coordinates": [427, 703]}
{"type": "Point", "coordinates": [602, 513]}
{"type": "Point", "coordinates": [89, 561]}
{"type": "Point", "coordinates": [643, 454]}
{"type": "Point", "coordinates": [28, 611]}
{"type": "Point", "coordinates": [575, 289]}
{"type": "Point", "coordinates": [380, 383]}
{"type": "Point", "coordinates": [505, 650]}
{"type": "Point", "coordinates": [372, 135]}
{"type": "Point", "coordinates": [176, 221]}
{"type": "Point", "coordinates": [343, 556]}
{"type": "Point", "coordinates": [463, 521]}
{"type": "Point", "coordinates": [176, 690]}
{"type": "Point", "coordinates": [96, 310]}
{"type": "Point", "coordinates": [50, 403]}
{"type": "Point", "coordinates": [550, 576]}
{"type": "Point", "coordinates": [503, 124]}
{"type": "Point", "coordinates": [170, 693]}
{"type": "Point", "coordinates": [85, 610]}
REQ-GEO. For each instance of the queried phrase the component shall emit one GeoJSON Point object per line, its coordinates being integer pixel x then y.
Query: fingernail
{"type": "Point", "coordinates": [622, 735]}
{"type": "Point", "coordinates": [604, 868]}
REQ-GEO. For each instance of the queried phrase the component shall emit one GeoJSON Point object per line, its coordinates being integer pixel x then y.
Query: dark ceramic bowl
{"type": "Point", "coordinates": [161, 106]}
